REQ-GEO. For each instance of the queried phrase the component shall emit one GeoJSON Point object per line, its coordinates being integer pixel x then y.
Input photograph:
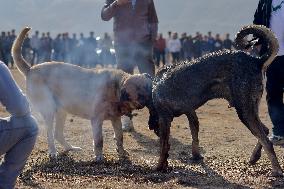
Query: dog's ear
{"type": "Point", "coordinates": [124, 96]}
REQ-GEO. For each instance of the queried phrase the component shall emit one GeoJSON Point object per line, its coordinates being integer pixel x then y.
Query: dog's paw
{"type": "Point", "coordinates": [276, 173]}
{"type": "Point", "coordinates": [53, 155]}
{"type": "Point", "coordinates": [162, 167]}
{"type": "Point", "coordinates": [99, 159]}
{"type": "Point", "coordinates": [196, 158]}
{"type": "Point", "coordinates": [122, 153]}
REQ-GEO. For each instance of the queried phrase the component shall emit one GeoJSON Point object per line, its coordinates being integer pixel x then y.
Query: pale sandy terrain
{"type": "Point", "coordinates": [225, 143]}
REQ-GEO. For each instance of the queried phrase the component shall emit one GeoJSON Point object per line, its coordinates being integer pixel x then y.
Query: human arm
{"type": "Point", "coordinates": [110, 7]}
{"type": "Point", "coordinates": [258, 15]}
{"type": "Point", "coordinates": [11, 95]}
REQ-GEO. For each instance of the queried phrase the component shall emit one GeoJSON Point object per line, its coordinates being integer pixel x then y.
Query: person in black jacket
{"type": "Point", "coordinates": [271, 14]}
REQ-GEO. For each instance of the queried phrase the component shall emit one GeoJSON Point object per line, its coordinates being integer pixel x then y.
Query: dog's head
{"type": "Point", "coordinates": [136, 93]}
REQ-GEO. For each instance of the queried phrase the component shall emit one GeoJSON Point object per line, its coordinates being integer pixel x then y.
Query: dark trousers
{"type": "Point", "coordinates": [135, 54]}
{"type": "Point", "coordinates": [158, 56]}
{"type": "Point", "coordinates": [176, 56]}
{"type": "Point", "coordinates": [274, 89]}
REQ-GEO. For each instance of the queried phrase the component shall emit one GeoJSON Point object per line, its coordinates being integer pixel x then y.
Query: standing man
{"type": "Point", "coordinates": [17, 132]}
{"type": "Point", "coordinates": [160, 48]}
{"type": "Point", "coordinates": [174, 45]}
{"type": "Point", "coordinates": [135, 26]}
{"type": "Point", "coordinates": [228, 43]}
{"type": "Point", "coordinates": [35, 44]}
{"type": "Point", "coordinates": [271, 14]}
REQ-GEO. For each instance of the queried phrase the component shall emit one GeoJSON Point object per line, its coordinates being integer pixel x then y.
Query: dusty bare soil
{"type": "Point", "coordinates": [224, 141]}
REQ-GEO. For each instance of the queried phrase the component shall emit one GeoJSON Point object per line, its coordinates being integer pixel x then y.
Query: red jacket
{"type": "Point", "coordinates": [160, 44]}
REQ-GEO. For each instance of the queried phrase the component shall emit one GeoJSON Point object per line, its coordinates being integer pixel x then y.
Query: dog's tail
{"type": "Point", "coordinates": [19, 60]}
{"type": "Point", "coordinates": [266, 37]}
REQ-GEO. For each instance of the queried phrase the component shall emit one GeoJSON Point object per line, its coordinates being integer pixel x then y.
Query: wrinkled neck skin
{"type": "Point", "coordinates": [153, 121]}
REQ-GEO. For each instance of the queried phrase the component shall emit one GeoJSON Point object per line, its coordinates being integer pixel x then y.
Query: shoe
{"type": "Point", "coordinates": [127, 124]}
{"type": "Point", "coordinates": [277, 140]}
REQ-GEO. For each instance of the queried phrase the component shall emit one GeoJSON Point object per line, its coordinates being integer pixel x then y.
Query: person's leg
{"type": "Point", "coordinates": [124, 58]}
{"type": "Point", "coordinates": [158, 58]}
{"type": "Point", "coordinates": [144, 58]}
{"type": "Point", "coordinates": [11, 60]}
{"type": "Point", "coordinates": [17, 139]}
{"type": "Point", "coordinates": [4, 57]}
{"type": "Point", "coordinates": [163, 58]}
{"type": "Point", "coordinates": [174, 57]}
{"type": "Point", "coordinates": [125, 61]}
{"type": "Point", "coordinates": [274, 89]}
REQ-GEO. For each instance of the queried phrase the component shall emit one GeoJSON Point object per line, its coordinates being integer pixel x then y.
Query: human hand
{"type": "Point", "coordinates": [122, 2]}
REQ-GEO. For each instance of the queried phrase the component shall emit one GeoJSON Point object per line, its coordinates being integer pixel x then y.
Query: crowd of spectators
{"type": "Point", "coordinates": [83, 51]}
{"type": "Point", "coordinates": [92, 50]}
{"type": "Point", "coordinates": [173, 49]}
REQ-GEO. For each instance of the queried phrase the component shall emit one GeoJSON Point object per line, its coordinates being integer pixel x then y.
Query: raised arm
{"type": "Point", "coordinates": [110, 7]}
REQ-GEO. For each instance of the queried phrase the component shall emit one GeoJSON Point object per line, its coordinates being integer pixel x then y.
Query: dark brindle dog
{"type": "Point", "coordinates": [232, 75]}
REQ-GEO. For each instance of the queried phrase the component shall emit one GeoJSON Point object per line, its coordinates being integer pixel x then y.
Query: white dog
{"type": "Point", "coordinates": [56, 88]}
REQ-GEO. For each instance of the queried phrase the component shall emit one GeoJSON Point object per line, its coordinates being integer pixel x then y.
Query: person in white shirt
{"type": "Point", "coordinates": [174, 46]}
{"type": "Point", "coordinates": [35, 44]}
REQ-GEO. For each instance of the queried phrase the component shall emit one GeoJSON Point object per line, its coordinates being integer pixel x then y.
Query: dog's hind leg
{"type": "Point", "coordinates": [256, 154]}
{"type": "Point", "coordinates": [250, 118]}
{"type": "Point", "coordinates": [118, 136]}
{"type": "Point", "coordinates": [60, 118]}
{"type": "Point", "coordinates": [164, 125]}
{"type": "Point", "coordinates": [194, 128]}
{"type": "Point", "coordinates": [48, 118]}
{"type": "Point", "coordinates": [98, 139]}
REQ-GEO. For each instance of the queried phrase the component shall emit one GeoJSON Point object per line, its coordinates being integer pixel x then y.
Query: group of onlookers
{"type": "Point", "coordinates": [83, 51]}
{"type": "Point", "coordinates": [91, 51]}
{"type": "Point", "coordinates": [6, 42]}
{"type": "Point", "coordinates": [187, 47]}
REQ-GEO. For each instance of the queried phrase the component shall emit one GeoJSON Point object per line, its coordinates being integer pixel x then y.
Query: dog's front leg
{"type": "Point", "coordinates": [98, 139]}
{"type": "Point", "coordinates": [164, 125]}
{"type": "Point", "coordinates": [118, 136]}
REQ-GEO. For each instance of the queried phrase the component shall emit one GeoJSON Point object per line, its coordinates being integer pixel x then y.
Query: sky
{"type": "Point", "coordinates": [75, 16]}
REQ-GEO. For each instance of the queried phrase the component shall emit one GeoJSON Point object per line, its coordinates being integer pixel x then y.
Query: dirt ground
{"type": "Point", "coordinates": [224, 141]}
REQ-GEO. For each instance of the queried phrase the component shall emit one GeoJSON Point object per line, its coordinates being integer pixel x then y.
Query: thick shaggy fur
{"type": "Point", "coordinates": [56, 88]}
{"type": "Point", "coordinates": [232, 75]}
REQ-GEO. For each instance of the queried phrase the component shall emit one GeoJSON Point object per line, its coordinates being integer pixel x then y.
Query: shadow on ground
{"type": "Point", "coordinates": [65, 165]}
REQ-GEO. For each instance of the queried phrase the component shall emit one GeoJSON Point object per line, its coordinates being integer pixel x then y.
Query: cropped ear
{"type": "Point", "coordinates": [124, 96]}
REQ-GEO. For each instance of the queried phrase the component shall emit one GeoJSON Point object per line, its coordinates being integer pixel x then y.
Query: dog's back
{"type": "Point", "coordinates": [76, 90]}
{"type": "Point", "coordinates": [217, 75]}
{"type": "Point", "coordinates": [223, 74]}
{"type": "Point", "coordinates": [232, 75]}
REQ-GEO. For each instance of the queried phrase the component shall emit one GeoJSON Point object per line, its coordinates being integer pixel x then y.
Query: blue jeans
{"type": "Point", "coordinates": [274, 89]}
{"type": "Point", "coordinates": [17, 139]}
